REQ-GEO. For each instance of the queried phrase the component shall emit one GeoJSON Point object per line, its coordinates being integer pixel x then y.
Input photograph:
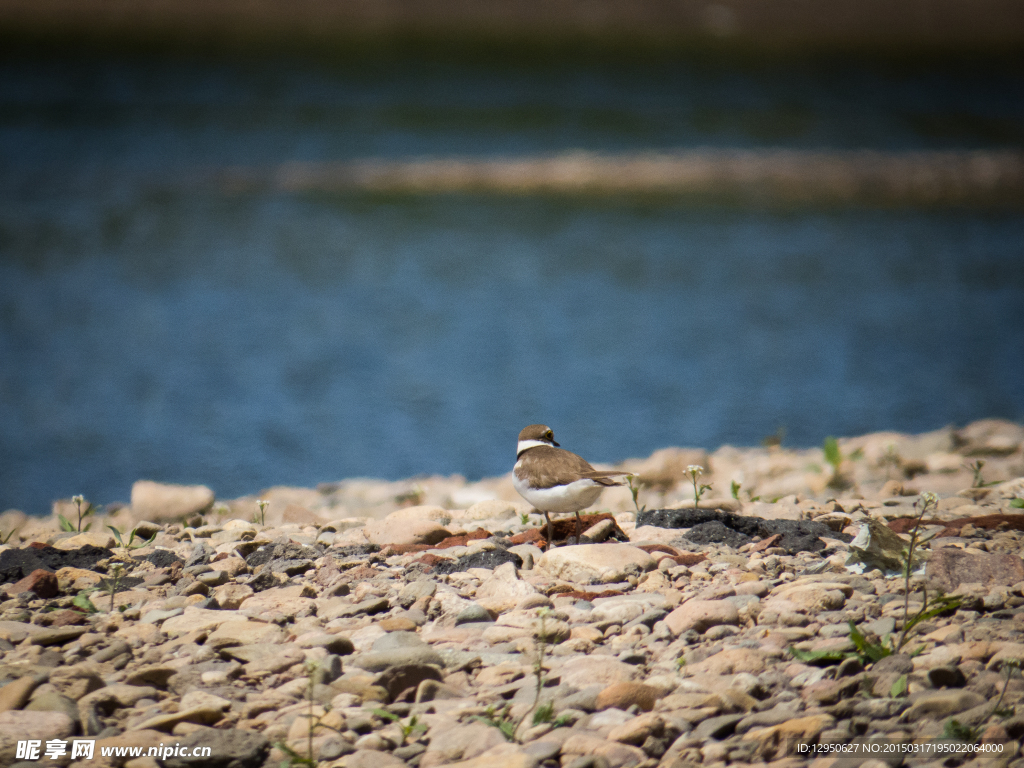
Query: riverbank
{"type": "Point", "coordinates": [772, 178]}
{"type": "Point", "coordinates": [422, 623]}
{"type": "Point", "coordinates": [904, 27]}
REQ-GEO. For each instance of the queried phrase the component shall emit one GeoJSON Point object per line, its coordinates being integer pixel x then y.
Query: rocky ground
{"type": "Point", "coordinates": [427, 623]}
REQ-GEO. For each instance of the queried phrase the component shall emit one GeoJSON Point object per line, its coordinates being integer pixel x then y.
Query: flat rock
{"type": "Point", "coordinates": [163, 503]}
{"type": "Point", "coordinates": [14, 695]}
{"type": "Point", "coordinates": [378, 661]}
{"type": "Point", "coordinates": [287, 601]}
{"type": "Point", "coordinates": [412, 532]}
{"type": "Point", "coordinates": [16, 631]}
{"type": "Point", "coordinates": [778, 741]}
{"type": "Point", "coordinates": [20, 725]}
{"type": "Point", "coordinates": [505, 585]}
{"type": "Point", "coordinates": [701, 615]}
{"type": "Point", "coordinates": [193, 619]}
{"type": "Point", "coordinates": [730, 662]}
{"type": "Point", "coordinates": [58, 635]}
{"type": "Point", "coordinates": [582, 671]}
{"type": "Point", "coordinates": [244, 632]}
{"type": "Point", "coordinates": [596, 563]}
{"type": "Point", "coordinates": [41, 582]}
{"type": "Point", "coordinates": [234, 748]}
{"type": "Point", "coordinates": [623, 695]}
{"type": "Point", "coordinates": [371, 758]}
{"type": "Point", "coordinates": [940, 704]}
{"type": "Point", "coordinates": [949, 567]}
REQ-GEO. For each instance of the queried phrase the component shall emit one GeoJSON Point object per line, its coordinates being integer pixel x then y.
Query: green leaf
{"type": "Point", "coordinates": [832, 454]}
{"type": "Point", "coordinates": [82, 601]}
{"type": "Point", "coordinates": [65, 524]}
{"type": "Point", "coordinates": [899, 688]}
{"type": "Point", "coordinates": [958, 732]}
{"type": "Point", "coordinates": [934, 607]}
{"type": "Point", "coordinates": [736, 490]}
{"type": "Point", "coordinates": [383, 714]}
{"type": "Point", "coordinates": [545, 713]}
{"type": "Point", "coordinates": [1017, 503]}
{"type": "Point", "coordinates": [869, 651]}
{"type": "Point", "coordinates": [117, 535]}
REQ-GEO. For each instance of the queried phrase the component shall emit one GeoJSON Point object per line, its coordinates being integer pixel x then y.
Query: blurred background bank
{"type": "Point", "coordinates": [258, 243]}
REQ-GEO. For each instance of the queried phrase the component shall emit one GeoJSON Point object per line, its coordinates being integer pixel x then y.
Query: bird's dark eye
{"type": "Point", "coordinates": [549, 434]}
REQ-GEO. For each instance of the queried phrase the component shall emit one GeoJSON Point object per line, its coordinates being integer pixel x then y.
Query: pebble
{"type": "Point", "coordinates": [646, 661]}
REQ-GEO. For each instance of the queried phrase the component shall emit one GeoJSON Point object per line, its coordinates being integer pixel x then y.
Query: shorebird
{"type": "Point", "coordinates": [556, 480]}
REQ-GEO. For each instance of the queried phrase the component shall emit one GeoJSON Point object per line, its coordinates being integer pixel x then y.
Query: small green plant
{"type": "Point", "coordinates": [67, 526]}
{"type": "Point", "coordinates": [978, 481]}
{"type": "Point", "coordinates": [869, 652]}
{"type": "Point", "coordinates": [545, 713]}
{"type": "Point", "coordinates": [834, 457]}
{"type": "Point", "coordinates": [113, 582]}
{"type": "Point", "coordinates": [634, 489]}
{"type": "Point", "coordinates": [524, 517]}
{"type": "Point", "coordinates": [1010, 666]}
{"type": "Point", "coordinates": [5, 539]}
{"type": "Point", "coordinates": [131, 539]}
{"type": "Point", "coordinates": [412, 497]}
{"type": "Point", "coordinates": [899, 688]}
{"type": "Point", "coordinates": [957, 731]}
{"type": "Point", "coordinates": [695, 471]}
{"type": "Point", "coordinates": [261, 516]}
{"type": "Point", "coordinates": [313, 721]}
{"type": "Point", "coordinates": [501, 719]}
{"type": "Point", "coordinates": [408, 728]}
{"type": "Point", "coordinates": [1017, 503]}
{"type": "Point", "coordinates": [83, 602]}
{"type": "Point", "coordinates": [735, 490]}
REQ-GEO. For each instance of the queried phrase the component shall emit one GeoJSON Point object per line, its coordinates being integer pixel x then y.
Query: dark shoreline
{"type": "Point", "coordinates": [900, 29]}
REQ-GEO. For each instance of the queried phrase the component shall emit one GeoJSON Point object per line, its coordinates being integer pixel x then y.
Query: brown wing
{"type": "Point", "coordinates": [554, 466]}
{"type": "Point", "coordinates": [605, 476]}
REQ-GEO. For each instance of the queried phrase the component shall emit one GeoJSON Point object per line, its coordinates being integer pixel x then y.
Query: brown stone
{"type": "Point", "coordinates": [949, 567]}
{"type": "Point", "coordinates": [771, 541]}
{"type": "Point", "coordinates": [14, 695]}
{"type": "Point", "coordinates": [63, 618]}
{"type": "Point", "coordinates": [41, 582]}
{"type": "Point", "coordinates": [564, 528]}
{"type": "Point", "coordinates": [623, 695]}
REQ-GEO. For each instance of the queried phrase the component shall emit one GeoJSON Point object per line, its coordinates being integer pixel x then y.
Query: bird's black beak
{"type": "Point", "coordinates": [555, 444]}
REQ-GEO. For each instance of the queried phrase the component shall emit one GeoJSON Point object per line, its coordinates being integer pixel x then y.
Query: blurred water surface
{"type": "Point", "coordinates": [153, 325]}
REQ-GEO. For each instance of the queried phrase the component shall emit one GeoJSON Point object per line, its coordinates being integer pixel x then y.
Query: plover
{"type": "Point", "coordinates": [556, 480]}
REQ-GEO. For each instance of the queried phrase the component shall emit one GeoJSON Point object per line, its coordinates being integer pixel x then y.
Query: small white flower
{"type": "Point", "coordinates": [79, 499]}
{"type": "Point", "coordinates": [695, 470]}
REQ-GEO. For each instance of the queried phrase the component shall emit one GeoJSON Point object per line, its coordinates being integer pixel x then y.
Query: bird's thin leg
{"type": "Point", "coordinates": [547, 516]}
{"type": "Point", "coordinates": [578, 527]}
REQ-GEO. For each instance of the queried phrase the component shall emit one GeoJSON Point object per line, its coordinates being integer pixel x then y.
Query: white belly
{"type": "Point", "coordinates": [563, 498]}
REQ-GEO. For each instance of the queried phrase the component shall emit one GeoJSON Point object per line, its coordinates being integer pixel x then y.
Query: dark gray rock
{"type": "Point", "coordinates": [228, 749]}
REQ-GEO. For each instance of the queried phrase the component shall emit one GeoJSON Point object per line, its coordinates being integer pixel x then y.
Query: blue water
{"type": "Point", "coordinates": [155, 326]}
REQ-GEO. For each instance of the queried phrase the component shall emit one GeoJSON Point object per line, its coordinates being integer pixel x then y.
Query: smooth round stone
{"type": "Point", "coordinates": [398, 639]}
{"type": "Point", "coordinates": [398, 624]}
{"type": "Point", "coordinates": [472, 613]}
